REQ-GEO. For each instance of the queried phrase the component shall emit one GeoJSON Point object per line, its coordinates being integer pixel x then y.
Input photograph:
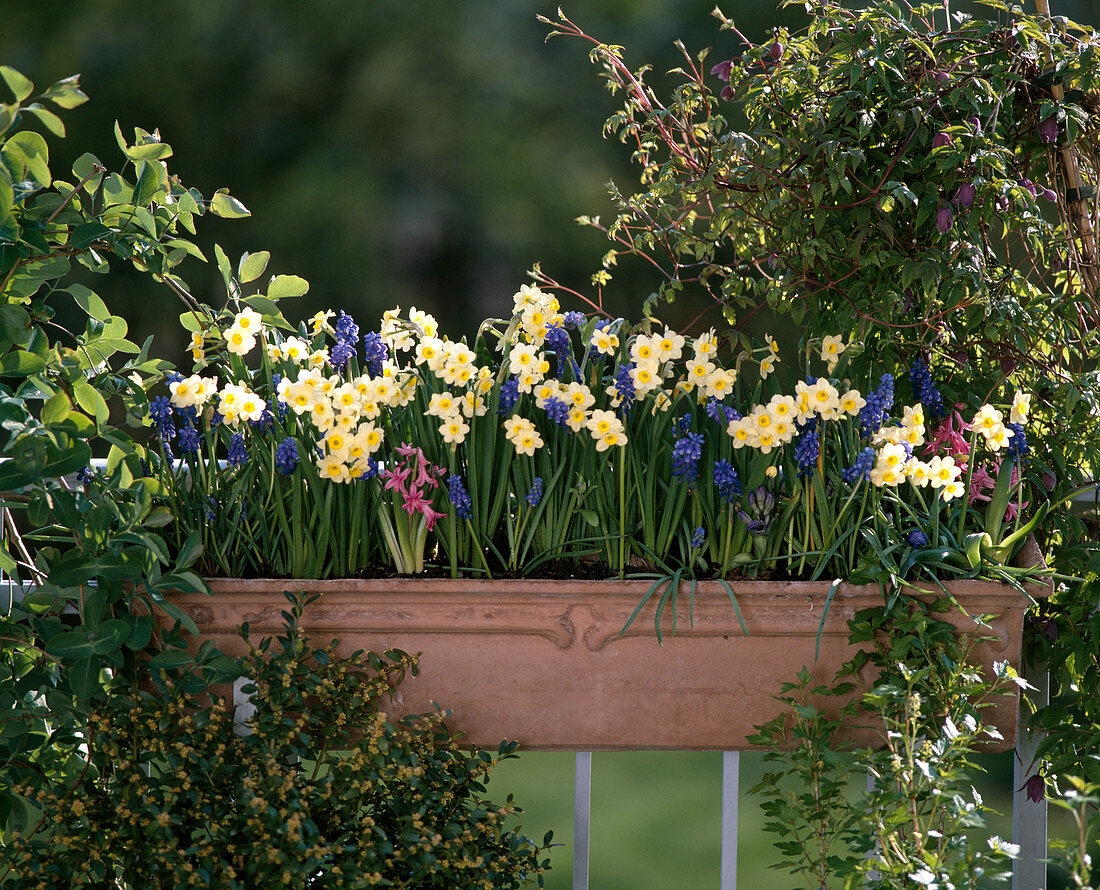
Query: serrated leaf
{"type": "Point", "coordinates": [20, 86]}
{"type": "Point", "coordinates": [252, 265]}
{"type": "Point", "coordinates": [226, 206]}
{"type": "Point", "coordinates": [283, 286]}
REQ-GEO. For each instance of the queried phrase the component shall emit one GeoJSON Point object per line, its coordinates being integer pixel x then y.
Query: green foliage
{"type": "Point", "coordinates": [85, 545]}
{"type": "Point", "coordinates": [319, 788]}
{"type": "Point", "coordinates": [922, 706]}
{"type": "Point", "coordinates": [892, 184]}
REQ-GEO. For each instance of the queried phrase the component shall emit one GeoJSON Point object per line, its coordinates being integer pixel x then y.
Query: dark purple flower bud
{"type": "Point", "coordinates": [1036, 788]}
{"type": "Point", "coordinates": [722, 70]}
{"type": "Point", "coordinates": [776, 51]}
{"type": "Point", "coordinates": [941, 139]}
{"type": "Point", "coordinates": [1049, 481]}
{"type": "Point", "coordinates": [938, 76]}
{"type": "Point", "coordinates": [1029, 185]}
{"type": "Point", "coordinates": [964, 195]}
{"type": "Point", "coordinates": [1050, 195]}
{"type": "Point", "coordinates": [945, 219]}
{"type": "Point", "coordinates": [1050, 629]}
{"type": "Point", "coordinates": [1048, 130]}
{"type": "Point", "coordinates": [727, 93]}
{"type": "Point", "coordinates": [975, 124]}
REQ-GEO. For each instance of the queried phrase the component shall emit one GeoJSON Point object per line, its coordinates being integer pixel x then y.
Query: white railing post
{"type": "Point", "coordinates": [582, 817]}
{"type": "Point", "coordinates": [731, 780]}
{"type": "Point", "coordinates": [1029, 819]}
{"type": "Point", "coordinates": [243, 709]}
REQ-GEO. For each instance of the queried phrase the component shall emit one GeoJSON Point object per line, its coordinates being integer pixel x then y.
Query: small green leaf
{"type": "Point", "coordinates": [86, 234]}
{"type": "Point", "coordinates": [71, 644]}
{"type": "Point", "coordinates": [225, 205]}
{"type": "Point", "coordinates": [49, 120]}
{"type": "Point", "coordinates": [84, 677]}
{"type": "Point", "coordinates": [56, 409]}
{"type": "Point", "coordinates": [91, 401]}
{"type": "Point", "coordinates": [17, 83]}
{"type": "Point", "coordinates": [21, 363]}
{"type": "Point", "coordinates": [283, 286]}
{"type": "Point", "coordinates": [150, 151]}
{"type": "Point", "coordinates": [27, 152]}
{"type": "Point", "coordinates": [252, 265]}
{"type": "Point", "coordinates": [66, 93]}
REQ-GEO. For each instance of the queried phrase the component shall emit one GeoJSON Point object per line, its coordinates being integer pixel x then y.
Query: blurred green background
{"type": "Point", "coordinates": [423, 152]}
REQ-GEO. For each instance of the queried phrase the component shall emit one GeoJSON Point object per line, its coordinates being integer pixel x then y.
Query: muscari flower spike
{"type": "Point", "coordinates": [509, 395]}
{"type": "Point", "coordinates": [920, 376]}
{"type": "Point", "coordinates": [238, 454]}
{"type": "Point", "coordinates": [807, 448]}
{"type": "Point", "coordinates": [861, 469]}
{"type": "Point", "coordinates": [534, 496]}
{"type": "Point", "coordinates": [347, 333]}
{"type": "Point", "coordinates": [460, 497]}
{"type": "Point", "coordinates": [685, 456]}
{"type": "Point", "coordinates": [726, 481]}
{"type": "Point", "coordinates": [286, 456]}
{"type": "Point", "coordinates": [375, 352]}
{"type": "Point", "coordinates": [879, 403]}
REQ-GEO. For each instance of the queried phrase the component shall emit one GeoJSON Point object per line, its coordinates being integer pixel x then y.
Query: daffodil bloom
{"type": "Point", "coordinates": [719, 384]}
{"type": "Point", "coordinates": [852, 402]}
{"type": "Point", "coordinates": [886, 476]}
{"type": "Point", "coordinates": [706, 345]}
{"type": "Point", "coordinates": [646, 377]}
{"type": "Point", "coordinates": [319, 322]}
{"type": "Point", "coordinates": [580, 395]}
{"type": "Point", "coordinates": [603, 342]}
{"type": "Point", "coordinates": [429, 327]}
{"type": "Point", "coordinates": [951, 490]}
{"type": "Point", "coordinates": [997, 437]}
{"type": "Point", "coordinates": [831, 348]}
{"type": "Point", "coordinates": [986, 418]}
{"type": "Point", "coordinates": [611, 439]}
{"type": "Point", "coordinates": [739, 430]}
{"type": "Point", "coordinates": [942, 471]}
{"type": "Point", "coordinates": [239, 341]}
{"type": "Point", "coordinates": [767, 366]}
{"type": "Point", "coordinates": [333, 468]}
{"type": "Point", "coordinates": [698, 371]}
{"type": "Point", "coordinates": [473, 405]}
{"type": "Point", "coordinates": [600, 423]}
{"type": "Point", "coordinates": [337, 443]}
{"type": "Point", "coordinates": [892, 456]}
{"type": "Point", "coordinates": [197, 344]}
{"type": "Point", "coordinates": [527, 443]}
{"type": "Point", "coordinates": [670, 345]}
{"type": "Point", "coordinates": [442, 405]}
{"type": "Point", "coordinates": [917, 472]}
{"type": "Point", "coordinates": [249, 321]}
{"type": "Point", "coordinates": [250, 406]}
{"type": "Point", "coordinates": [577, 418]}
{"type": "Point", "coordinates": [1021, 407]}
{"type": "Point", "coordinates": [782, 407]}
{"type": "Point", "coordinates": [454, 430]}
{"type": "Point", "coordinates": [642, 349]}
{"type": "Point", "coordinates": [516, 426]}
{"type": "Point", "coordinates": [823, 396]}
{"type": "Point", "coordinates": [430, 351]}
{"type": "Point", "coordinates": [368, 438]}
{"type": "Point", "coordinates": [318, 358]}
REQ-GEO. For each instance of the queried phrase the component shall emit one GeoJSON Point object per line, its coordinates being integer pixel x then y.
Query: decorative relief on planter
{"type": "Point", "coordinates": [545, 663]}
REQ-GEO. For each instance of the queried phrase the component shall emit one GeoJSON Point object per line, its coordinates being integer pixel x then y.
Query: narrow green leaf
{"type": "Point", "coordinates": [66, 93]}
{"type": "Point", "coordinates": [49, 120]}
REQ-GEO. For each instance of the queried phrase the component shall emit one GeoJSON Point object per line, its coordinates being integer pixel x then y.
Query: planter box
{"type": "Point", "coordinates": [543, 662]}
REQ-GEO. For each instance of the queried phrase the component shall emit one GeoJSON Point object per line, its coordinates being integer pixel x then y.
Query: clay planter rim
{"type": "Point", "coordinates": [546, 662]}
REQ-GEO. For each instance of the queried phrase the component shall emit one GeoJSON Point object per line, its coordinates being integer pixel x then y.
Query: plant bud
{"type": "Point", "coordinates": [941, 140]}
{"type": "Point", "coordinates": [1048, 130]}
{"type": "Point", "coordinates": [944, 219]}
{"type": "Point", "coordinates": [964, 195]}
{"type": "Point", "coordinates": [776, 51]}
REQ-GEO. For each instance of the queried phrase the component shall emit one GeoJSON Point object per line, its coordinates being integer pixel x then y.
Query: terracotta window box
{"type": "Point", "coordinates": [544, 662]}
